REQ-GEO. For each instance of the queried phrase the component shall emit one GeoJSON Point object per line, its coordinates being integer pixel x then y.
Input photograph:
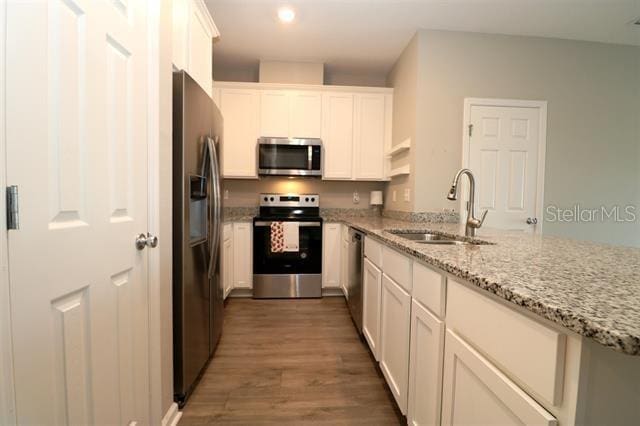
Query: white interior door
{"type": "Point", "coordinates": [77, 149]}
{"type": "Point", "coordinates": [503, 155]}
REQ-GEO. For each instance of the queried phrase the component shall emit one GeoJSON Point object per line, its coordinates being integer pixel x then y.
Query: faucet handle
{"type": "Point", "coordinates": [484, 215]}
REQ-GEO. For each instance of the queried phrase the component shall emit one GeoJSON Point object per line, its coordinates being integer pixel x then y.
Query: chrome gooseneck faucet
{"type": "Point", "coordinates": [472, 223]}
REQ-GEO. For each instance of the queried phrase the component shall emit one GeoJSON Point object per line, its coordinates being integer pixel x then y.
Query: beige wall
{"type": "Point", "coordinates": [291, 72]}
{"type": "Point", "coordinates": [333, 194]}
{"type": "Point", "coordinates": [593, 138]}
{"type": "Point", "coordinates": [593, 135]}
{"type": "Point", "coordinates": [404, 79]}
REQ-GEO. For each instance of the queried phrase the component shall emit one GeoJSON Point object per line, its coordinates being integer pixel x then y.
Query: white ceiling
{"type": "Point", "coordinates": [368, 35]}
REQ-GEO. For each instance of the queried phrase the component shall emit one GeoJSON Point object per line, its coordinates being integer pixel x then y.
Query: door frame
{"type": "Point", "coordinates": [7, 389]}
{"type": "Point", "coordinates": [542, 145]}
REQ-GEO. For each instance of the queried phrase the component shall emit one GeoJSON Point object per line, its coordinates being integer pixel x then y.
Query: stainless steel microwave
{"type": "Point", "coordinates": [289, 157]}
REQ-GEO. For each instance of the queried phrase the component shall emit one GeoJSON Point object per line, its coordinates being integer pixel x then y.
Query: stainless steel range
{"type": "Point", "coordinates": [287, 247]}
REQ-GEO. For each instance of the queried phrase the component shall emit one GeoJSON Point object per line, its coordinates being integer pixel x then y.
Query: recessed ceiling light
{"type": "Point", "coordinates": [286, 14]}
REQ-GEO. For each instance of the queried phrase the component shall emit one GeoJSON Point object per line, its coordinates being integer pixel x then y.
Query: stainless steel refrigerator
{"type": "Point", "coordinates": [197, 285]}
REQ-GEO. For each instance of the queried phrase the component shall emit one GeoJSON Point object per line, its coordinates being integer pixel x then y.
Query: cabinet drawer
{"type": "Point", "coordinates": [397, 266]}
{"type": "Point", "coordinates": [373, 251]}
{"type": "Point", "coordinates": [531, 353]}
{"type": "Point", "coordinates": [429, 288]}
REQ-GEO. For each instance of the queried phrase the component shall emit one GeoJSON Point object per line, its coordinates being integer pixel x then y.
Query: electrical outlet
{"type": "Point", "coordinates": [394, 197]}
{"type": "Point", "coordinates": [407, 194]}
{"type": "Point", "coordinates": [356, 197]}
{"type": "Point", "coordinates": [226, 194]}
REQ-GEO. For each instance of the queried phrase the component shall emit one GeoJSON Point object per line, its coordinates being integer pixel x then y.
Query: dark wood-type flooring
{"type": "Point", "coordinates": [291, 362]}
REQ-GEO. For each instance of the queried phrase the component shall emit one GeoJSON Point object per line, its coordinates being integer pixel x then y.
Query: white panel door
{"type": "Point", "coordinates": [332, 233]}
{"type": "Point", "coordinates": [241, 112]}
{"type": "Point", "coordinates": [227, 259]}
{"type": "Point", "coordinates": [337, 135]}
{"type": "Point", "coordinates": [371, 288]}
{"type": "Point", "coordinates": [425, 367]}
{"type": "Point", "coordinates": [369, 136]}
{"type": "Point", "coordinates": [77, 149]}
{"type": "Point", "coordinates": [305, 115]}
{"type": "Point", "coordinates": [476, 392]}
{"type": "Point", "coordinates": [242, 255]}
{"type": "Point", "coordinates": [395, 317]}
{"type": "Point", "coordinates": [504, 158]}
{"type": "Point", "coordinates": [274, 113]}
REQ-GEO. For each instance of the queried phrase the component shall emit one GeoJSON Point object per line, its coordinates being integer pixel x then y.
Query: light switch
{"type": "Point", "coordinates": [407, 194]}
{"type": "Point", "coordinates": [226, 194]}
{"type": "Point", "coordinates": [356, 197]}
{"type": "Point", "coordinates": [394, 196]}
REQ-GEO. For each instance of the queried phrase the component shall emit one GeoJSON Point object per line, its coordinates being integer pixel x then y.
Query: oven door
{"type": "Point", "coordinates": [289, 157]}
{"type": "Point", "coordinates": [307, 260]}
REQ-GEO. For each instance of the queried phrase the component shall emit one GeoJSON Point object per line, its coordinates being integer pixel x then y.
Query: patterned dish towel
{"type": "Point", "coordinates": [285, 237]}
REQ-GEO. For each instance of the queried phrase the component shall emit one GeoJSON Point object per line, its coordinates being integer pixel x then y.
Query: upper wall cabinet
{"type": "Point", "coordinates": [372, 135]}
{"type": "Point", "coordinates": [354, 124]}
{"type": "Point", "coordinates": [193, 34]}
{"type": "Point", "coordinates": [337, 135]}
{"type": "Point", "coordinates": [293, 114]}
{"type": "Point", "coordinates": [241, 110]}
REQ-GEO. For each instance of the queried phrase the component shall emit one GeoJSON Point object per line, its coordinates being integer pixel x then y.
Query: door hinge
{"type": "Point", "coordinates": [470, 129]}
{"type": "Point", "coordinates": [13, 208]}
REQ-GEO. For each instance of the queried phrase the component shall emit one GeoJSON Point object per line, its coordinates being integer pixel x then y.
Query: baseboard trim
{"type": "Point", "coordinates": [173, 416]}
{"type": "Point", "coordinates": [332, 292]}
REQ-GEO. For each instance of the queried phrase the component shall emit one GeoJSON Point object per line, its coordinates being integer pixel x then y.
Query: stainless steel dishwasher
{"type": "Point", "coordinates": [354, 282]}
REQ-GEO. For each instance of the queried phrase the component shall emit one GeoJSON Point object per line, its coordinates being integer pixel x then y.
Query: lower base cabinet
{"type": "Point", "coordinates": [425, 367]}
{"type": "Point", "coordinates": [226, 258]}
{"type": "Point", "coordinates": [371, 287]}
{"type": "Point", "coordinates": [476, 392]}
{"type": "Point", "coordinates": [243, 255]}
{"type": "Point", "coordinates": [395, 322]}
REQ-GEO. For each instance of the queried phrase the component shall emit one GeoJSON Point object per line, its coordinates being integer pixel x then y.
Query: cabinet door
{"type": "Point", "coordinates": [200, 48]}
{"type": "Point", "coordinates": [227, 266]}
{"type": "Point", "coordinates": [331, 255]}
{"type": "Point", "coordinates": [274, 113]}
{"type": "Point", "coordinates": [242, 255]}
{"type": "Point", "coordinates": [371, 287]}
{"type": "Point", "coordinates": [240, 109]}
{"type": "Point", "coordinates": [425, 367]}
{"type": "Point", "coordinates": [306, 115]}
{"type": "Point", "coordinates": [394, 339]}
{"type": "Point", "coordinates": [476, 392]}
{"type": "Point", "coordinates": [369, 136]}
{"type": "Point", "coordinates": [337, 135]}
{"type": "Point", "coordinates": [344, 267]}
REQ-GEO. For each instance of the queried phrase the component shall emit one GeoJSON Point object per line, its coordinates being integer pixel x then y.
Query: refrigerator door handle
{"type": "Point", "coordinates": [216, 210]}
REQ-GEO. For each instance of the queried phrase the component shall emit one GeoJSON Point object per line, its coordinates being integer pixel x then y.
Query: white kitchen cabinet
{"type": "Point", "coordinates": [331, 258]}
{"type": "Point", "coordinates": [242, 255]}
{"type": "Point", "coordinates": [371, 123]}
{"type": "Point", "coordinates": [353, 123]}
{"type": "Point", "coordinates": [305, 114]}
{"type": "Point", "coordinates": [344, 263]}
{"type": "Point", "coordinates": [337, 135]}
{"type": "Point", "coordinates": [240, 109]}
{"type": "Point", "coordinates": [395, 320]}
{"type": "Point", "coordinates": [425, 366]}
{"type": "Point", "coordinates": [371, 293]}
{"type": "Point", "coordinates": [293, 114]}
{"type": "Point", "coordinates": [193, 34]}
{"type": "Point", "coordinates": [226, 258]}
{"type": "Point", "coordinates": [476, 392]}
{"type": "Point", "coordinates": [274, 113]}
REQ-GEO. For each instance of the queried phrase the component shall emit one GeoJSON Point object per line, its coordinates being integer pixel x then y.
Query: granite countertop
{"type": "Point", "coordinates": [592, 289]}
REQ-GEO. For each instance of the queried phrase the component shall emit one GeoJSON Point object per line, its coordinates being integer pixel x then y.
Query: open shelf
{"type": "Point", "coordinates": [400, 171]}
{"type": "Point", "coordinates": [401, 147]}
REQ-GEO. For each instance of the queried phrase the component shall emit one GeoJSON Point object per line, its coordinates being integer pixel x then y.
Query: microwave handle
{"type": "Point", "coordinates": [309, 157]}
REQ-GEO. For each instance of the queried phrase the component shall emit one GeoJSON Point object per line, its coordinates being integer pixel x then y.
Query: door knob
{"type": "Point", "coordinates": [532, 221]}
{"type": "Point", "coordinates": [143, 241]}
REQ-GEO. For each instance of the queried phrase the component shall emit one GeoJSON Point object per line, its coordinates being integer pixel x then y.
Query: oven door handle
{"type": "Point", "coordinates": [300, 224]}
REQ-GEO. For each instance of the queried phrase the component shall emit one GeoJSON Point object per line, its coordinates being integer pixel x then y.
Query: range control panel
{"type": "Point", "coordinates": [289, 200]}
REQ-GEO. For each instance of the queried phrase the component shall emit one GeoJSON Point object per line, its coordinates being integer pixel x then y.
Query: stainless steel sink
{"type": "Point", "coordinates": [431, 238]}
